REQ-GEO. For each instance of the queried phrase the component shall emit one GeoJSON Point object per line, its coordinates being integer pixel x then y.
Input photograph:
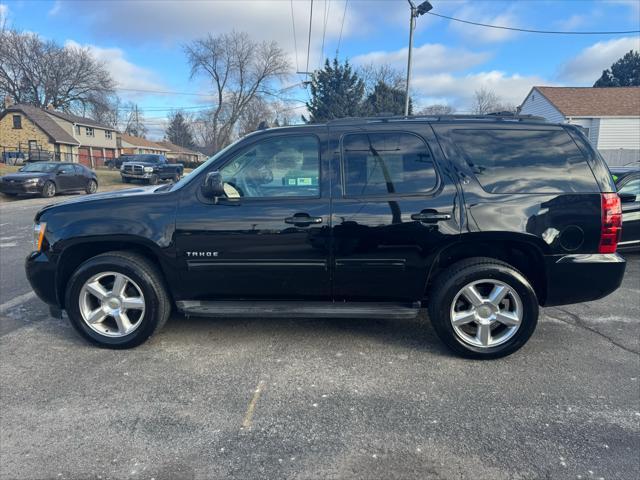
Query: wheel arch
{"type": "Point", "coordinates": [79, 252]}
{"type": "Point", "coordinates": [519, 251]}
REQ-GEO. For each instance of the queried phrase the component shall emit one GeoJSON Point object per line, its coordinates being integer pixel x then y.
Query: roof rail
{"type": "Point", "coordinates": [498, 116]}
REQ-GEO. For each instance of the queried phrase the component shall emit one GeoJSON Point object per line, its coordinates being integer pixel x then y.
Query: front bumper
{"type": "Point", "coordinates": [582, 277]}
{"type": "Point", "coordinates": [142, 176]}
{"type": "Point", "coordinates": [18, 188]}
{"type": "Point", "coordinates": [41, 273]}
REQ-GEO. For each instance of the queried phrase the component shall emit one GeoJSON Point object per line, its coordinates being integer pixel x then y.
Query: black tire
{"type": "Point", "coordinates": [126, 180]}
{"type": "Point", "coordinates": [176, 177]}
{"type": "Point", "coordinates": [153, 180]}
{"type": "Point", "coordinates": [140, 270]}
{"type": "Point", "coordinates": [462, 273]}
{"type": "Point", "coordinates": [10, 194]}
{"type": "Point", "coordinates": [92, 187]}
{"type": "Point", "coordinates": [48, 189]}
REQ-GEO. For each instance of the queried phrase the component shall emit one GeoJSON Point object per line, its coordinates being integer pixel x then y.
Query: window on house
{"type": "Point", "coordinates": [107, 134]}
{"type": "Point", "coordinates": [386, 164]}
{"type": "Point", "coordinates": [77, 129]}
{"type": "Point", "coordinates": [17, 121]}
{"type": "Point", "coordinates": [88, 132]}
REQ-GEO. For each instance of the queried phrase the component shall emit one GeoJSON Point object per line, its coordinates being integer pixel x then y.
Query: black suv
{"type": "Point", "coordinates": [479, 219]}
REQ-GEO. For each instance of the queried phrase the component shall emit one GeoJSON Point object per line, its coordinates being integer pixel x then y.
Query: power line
{"type": "Point", "coordinates": [327, 9]}
{"type": "Point", "coordinates": [344, 14]}
{"type": "Point", "coordinates": [528, 30]}
{"type": "Point", "coordinates": [309, 41]}
{"type": "Point", "coordinates": [295, 41]}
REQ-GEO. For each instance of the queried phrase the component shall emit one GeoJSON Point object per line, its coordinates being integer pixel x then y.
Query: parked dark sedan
{"type": "Point", "coordinates": [49, 178]}
{"type": "Point", "coordinates": [628, 183]}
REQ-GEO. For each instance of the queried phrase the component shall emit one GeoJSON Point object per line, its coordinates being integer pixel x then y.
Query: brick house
{"type": "Point", "coordinates": [179, 154]}
{"type": "Point", "coordinates": [63, 136]}
{"type": "Point", "coordinates": [130, 145]}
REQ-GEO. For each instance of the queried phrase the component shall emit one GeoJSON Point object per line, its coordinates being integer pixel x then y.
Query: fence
{"type": "Point", "coordinates": [95, 159]}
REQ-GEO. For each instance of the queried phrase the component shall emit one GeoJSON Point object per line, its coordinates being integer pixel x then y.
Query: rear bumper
{"type": "Point", "coordinates": [41, 273]}
{"type": "Point", "coordinates": [582, 278]}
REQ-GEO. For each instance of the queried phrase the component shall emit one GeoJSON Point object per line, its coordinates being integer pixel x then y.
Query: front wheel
{"type": "Point", "coordinates": [153, 179]}
{"type": "Point", "coordinates": [49, 189]}
{"type": "Point", "coordinates": [483, 308]}
{"type": "Point", "coordinates": [117, 300]}
{"type": "Point", "coordinates": [92, 187]}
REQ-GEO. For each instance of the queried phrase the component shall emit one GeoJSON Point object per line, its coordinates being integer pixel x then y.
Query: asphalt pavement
{"type": "Point", "coordinates": [306, 399]}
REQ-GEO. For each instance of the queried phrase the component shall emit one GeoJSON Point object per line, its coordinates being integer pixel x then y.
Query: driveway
{"type": "Point", "coordinates": [255, 398]}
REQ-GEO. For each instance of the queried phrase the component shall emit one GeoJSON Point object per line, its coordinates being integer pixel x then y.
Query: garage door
{"type": "Point", "coordinates": [83, 157]}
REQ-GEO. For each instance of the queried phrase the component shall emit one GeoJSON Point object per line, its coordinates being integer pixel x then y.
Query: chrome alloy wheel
{"type": "Point", "coordinates": [112, 304]}
{"type": "Point", "coordinates": [486, 313]}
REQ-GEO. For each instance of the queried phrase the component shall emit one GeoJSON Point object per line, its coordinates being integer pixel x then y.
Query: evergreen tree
{"type": "Point", "coordinates": [179, 131]}
{"type": "Point", "coordinates": [336, 92]}
{"type": "Point", "coordinates": [385, 99]}
{"type": "Point", "coordinates": [623, 73]}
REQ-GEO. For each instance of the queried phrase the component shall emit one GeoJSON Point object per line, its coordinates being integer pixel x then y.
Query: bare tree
{"type": "Point", "coordinates": [42, 73]}
{"type": "Point", "coordinates": [135, 122]}
{"type": "Point", "coordinates": [239, 70]}
{"type": "Point", "coordinates": [437, 109]}
{"type": "Point", "coordinates": [373, 74]}
{"type": "Point", "coordinates": [486, 101]}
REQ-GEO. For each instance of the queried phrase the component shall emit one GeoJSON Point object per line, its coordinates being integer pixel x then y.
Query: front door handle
{"type": "Point", "coordinates": [430, 217]}
{"type": "Point", "coordinates": [302, 220]}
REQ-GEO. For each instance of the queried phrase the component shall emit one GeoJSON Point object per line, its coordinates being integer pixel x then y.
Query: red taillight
{"type": "Point", "coordinates": [611, 223]}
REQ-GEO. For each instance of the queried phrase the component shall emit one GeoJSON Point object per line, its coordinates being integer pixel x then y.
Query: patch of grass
{"type": "Point", "coordinates": [6, 169]}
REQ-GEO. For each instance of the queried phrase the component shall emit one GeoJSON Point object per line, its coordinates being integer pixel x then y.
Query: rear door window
{"type": "Point", "coordinates": [376, 164]}
{"type": "Point", "coordinates": [525, 161]}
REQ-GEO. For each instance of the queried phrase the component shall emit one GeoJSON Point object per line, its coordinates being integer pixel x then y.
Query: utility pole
{"type": "Point", "coordinates": [415, 13]}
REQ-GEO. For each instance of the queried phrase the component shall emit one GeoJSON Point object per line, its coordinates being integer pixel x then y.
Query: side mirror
{"type": "Point", "coordinates": [213, 186]}
{"type": "Point", "coordinates": [627, 197]}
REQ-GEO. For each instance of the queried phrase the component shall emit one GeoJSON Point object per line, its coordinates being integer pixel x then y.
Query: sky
{"type": "Point", "coordinates": [142, 42]}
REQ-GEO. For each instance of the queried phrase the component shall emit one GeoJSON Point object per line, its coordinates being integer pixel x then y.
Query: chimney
{"type": "Point", "coordinates": [8, 101]}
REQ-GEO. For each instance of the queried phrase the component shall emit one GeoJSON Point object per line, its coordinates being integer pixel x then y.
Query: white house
{"type": "Point", "coordinates": [610, 116]}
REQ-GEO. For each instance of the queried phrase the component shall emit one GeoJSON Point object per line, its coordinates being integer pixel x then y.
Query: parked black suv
{"type": "Point", "coordinates": [149, 168]}
{"type": "Point", "coordinates": [479, 219]}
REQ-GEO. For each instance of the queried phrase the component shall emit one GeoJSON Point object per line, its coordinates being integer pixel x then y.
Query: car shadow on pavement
{"type": "Point", "coordinates": [416, 334]}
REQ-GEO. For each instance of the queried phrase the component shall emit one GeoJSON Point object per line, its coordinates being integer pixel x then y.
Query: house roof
{"type": "Point", "coordinates": [176, 148]}
{"type": "Point", "coordinates": [45, 123]}
{"type": "Point", "coordinates": [69, 117]}
{"type": "Point", "coordinates": [594, 102]}
{"type": "Point", "coordinates": [142, 142]}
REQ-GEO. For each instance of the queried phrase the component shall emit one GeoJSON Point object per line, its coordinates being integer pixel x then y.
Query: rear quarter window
{"type": "Point", "coordinates": [525, 161]}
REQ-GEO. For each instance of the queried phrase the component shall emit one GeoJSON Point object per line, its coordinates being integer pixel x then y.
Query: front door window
{"type": "Point", "coordinates": [277, 167]}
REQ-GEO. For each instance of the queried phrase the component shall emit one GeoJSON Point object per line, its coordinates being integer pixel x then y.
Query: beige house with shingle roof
{"type": "Point", "coordinates": [130, 145]}
{"type": "Point", "coordinates": [181, 154]}
{"type": "Point", "coordinates": [610, 116]}
{"type": "Point", "coordinates": [66, 137]}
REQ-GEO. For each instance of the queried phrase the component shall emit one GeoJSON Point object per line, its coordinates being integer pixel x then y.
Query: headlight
{"type": "Point", "coordinates": [148, 169]}
{"type": "Point", "coordinates": [32, 180]}
{"type": "Point", "coordinates": [38, 235]}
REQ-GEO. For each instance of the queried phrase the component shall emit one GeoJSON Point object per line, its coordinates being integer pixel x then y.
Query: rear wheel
{"type": "Point", "coordinates": [48, 189]}
{"type": "Point", "coordinates": [117, 300]}
{"type": "Point", "coordinates": [483, 308]}
{"type": "Point", "coordinates": [92, 187]}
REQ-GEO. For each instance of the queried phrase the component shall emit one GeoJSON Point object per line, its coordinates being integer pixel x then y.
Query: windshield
{"type": "Point", "coordinates": [39, 167]}
{"type": "Point", "coordinates": [144, 158]}
{"type": "Point", "coordinates": [187, 178]}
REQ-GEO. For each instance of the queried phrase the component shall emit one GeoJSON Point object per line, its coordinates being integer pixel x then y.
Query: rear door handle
{"type": "Point", "coordinates": [302, 220]}
{"type": "Point", "coordinates": [430, 217]}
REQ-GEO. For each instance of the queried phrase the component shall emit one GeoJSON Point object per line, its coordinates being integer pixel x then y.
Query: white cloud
{"type": "Point", "coordinates": [164, 22]}
{"type": "Point", "coordinates": [459, 90]}
{"type": "Point", "coordinates": [587, 66]}
{"type": "Point", "coordinates": [55, 9]}
{"type": "Point", "coordinates": [4, 13]}
{"type": "Point", "coordinates": [430, 57]}
{"type": "Point", "coordinates": [126, 74]}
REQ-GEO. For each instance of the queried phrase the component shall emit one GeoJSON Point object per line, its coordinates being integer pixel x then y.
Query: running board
{"type": "Point", "coordinates": [292, 309]}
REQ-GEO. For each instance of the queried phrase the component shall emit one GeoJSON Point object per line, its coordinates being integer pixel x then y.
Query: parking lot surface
{"type": "Point", "coordinates": [254, 398]}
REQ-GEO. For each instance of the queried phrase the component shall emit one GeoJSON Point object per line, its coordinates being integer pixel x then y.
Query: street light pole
{"type": "Point", "coordinates": [415, 13]}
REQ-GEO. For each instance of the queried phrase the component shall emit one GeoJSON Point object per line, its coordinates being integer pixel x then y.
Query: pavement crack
{"type": "Point", "coordinates": [578, 322]}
